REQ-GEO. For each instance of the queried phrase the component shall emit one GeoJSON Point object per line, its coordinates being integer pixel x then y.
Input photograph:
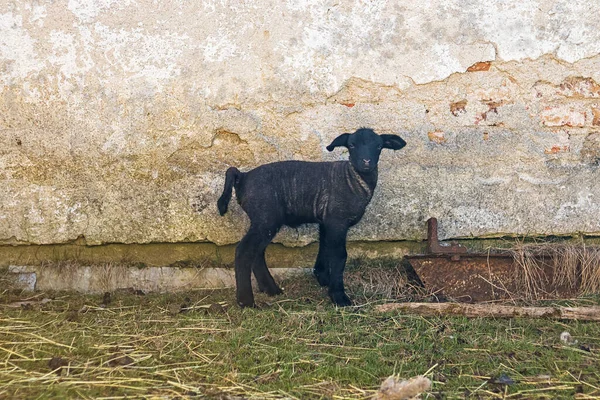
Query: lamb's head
{"type": "Point", "coordinates": [365, 146]}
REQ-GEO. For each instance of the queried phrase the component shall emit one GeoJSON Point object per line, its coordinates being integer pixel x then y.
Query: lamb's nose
{"type": "Point", "coordinates": [366, 161]}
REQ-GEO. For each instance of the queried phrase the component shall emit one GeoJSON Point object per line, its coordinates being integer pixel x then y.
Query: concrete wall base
{"type": "Point", "coordinates": [110, 277]}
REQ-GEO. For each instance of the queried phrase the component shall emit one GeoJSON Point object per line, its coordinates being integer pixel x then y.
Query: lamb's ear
{"type": "Point", "coordinates": [341, 140]}
{"type": "Point", "coordinates": [393, 142]}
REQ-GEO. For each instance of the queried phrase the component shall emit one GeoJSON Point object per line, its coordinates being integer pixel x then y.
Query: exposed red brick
{"type": "Point", "coordinates": [350, 105]}
{"type": "Point", "coordinates": [578, 86]}
{"type": "Point", "coordinates": [458, 107]}
{"type": "Point", "coordinates": [493, 105]}
{"type": "Point", "coordinates": [557, 149]}
{"type": "Point", "coordinates": [562, 116]}
{"type": "Point", "coordinates": [596, 115]}
{"type": "Point", "coordinates": [480, 66]}
{"type": "Point", "coordinates": [436, 137]}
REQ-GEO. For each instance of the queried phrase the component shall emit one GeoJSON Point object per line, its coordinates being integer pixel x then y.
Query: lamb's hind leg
{"type": "Point", "coordinates": [266, 283]}
{"type": "Point", "coordinates": [243, 269]}
{"type": "Point", "coordinates": [250, 256]}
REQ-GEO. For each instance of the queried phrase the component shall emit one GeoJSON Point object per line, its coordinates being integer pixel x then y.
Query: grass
{"type": "Point", "coordinates": [198, 345]}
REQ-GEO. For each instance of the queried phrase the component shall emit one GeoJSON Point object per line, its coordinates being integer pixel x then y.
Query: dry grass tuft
{"type": "Point", "coordinates": [539, 265]}
{"type": "Point", "coordinates": [529, 270]}
{"type": "Point", "coordinates": [5, 280]}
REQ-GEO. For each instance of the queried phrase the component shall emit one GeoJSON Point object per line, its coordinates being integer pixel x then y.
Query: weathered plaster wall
{"type": "Point", "coordinates": [119, 118]}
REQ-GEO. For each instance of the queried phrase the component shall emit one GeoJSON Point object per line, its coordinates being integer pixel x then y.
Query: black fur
{"type": "Point", "coordinates": [231, 177]}
{"type": "Point", "coordinates": [332, 194]}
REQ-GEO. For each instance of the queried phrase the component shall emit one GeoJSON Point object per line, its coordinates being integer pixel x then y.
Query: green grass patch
{"type": "Point", "coordinates": [198, 344]}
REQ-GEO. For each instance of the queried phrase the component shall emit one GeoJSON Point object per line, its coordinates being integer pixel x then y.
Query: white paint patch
{"type": "Point", "coordinates": [219, 47]}
{"type": "Point", "coordinates": [528, 29]}
{"type": "Point", "coordinates": [444, 64]}
{"type": "Point", "coordinates": [64, 48]}
{"type": "Point", "coordinates": [17, 51]}
{"type": "Point", "coordinates": [38, 13]}
{"type": "Point", "coordinates": [335, 43]}
{"type": "Point", "coordinates": [151, 57]}
{"type": "Point", "coordinates": [88, 10]}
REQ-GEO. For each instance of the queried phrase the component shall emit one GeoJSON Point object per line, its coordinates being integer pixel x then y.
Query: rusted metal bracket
{"type": "Point", "coordinates": [433, 244]}
{"type": "Point", "coordinates": [450, 271]}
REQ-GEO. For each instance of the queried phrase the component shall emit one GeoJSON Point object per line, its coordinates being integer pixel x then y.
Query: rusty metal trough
{"type": "Point", "coordinates": [451, 271]}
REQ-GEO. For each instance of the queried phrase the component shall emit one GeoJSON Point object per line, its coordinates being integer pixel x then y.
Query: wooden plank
{"type": "Point", "coordinates": [494, 311]}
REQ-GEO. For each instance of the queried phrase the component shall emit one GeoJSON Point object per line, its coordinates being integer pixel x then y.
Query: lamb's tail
{"type": "Point", "coordinates": [231, 179]}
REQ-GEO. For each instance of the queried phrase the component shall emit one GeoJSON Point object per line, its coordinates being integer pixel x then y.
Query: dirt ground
{"type": "Point", "coordinates": [129, 344]}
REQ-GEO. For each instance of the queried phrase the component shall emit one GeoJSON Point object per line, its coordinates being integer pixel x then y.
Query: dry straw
{"type": "Point", "coordinates": [542, 265]}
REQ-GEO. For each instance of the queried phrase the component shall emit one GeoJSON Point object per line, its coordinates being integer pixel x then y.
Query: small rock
{"type": "Point", "coordinates": [395, 389]}
{"type": "Point", "coordinates": [567, 339]}
{"type": "Point", "coordinates": [56, 364]}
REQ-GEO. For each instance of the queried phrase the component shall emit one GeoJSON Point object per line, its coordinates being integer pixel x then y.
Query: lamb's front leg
{"type": "Point", "coordinates": [336, 255]}
{"type": "Point", "coordinates": [321, 269]}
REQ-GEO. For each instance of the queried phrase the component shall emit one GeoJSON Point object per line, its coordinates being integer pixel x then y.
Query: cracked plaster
{"type": "Point", "coordinates": [118, 119]}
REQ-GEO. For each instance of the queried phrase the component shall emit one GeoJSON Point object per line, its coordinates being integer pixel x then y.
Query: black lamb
{"type": "Point", "coordinates": [332, 194]}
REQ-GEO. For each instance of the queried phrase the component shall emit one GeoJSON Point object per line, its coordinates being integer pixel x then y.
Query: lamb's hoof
{"type": "Point", "coordinates": [340, 299]}
{"type": "Point", "coordinates": [273, 290]}
{"type": "Point", "coordinates": [322, 277]}
{"type": "Point", "coordinates": [246, 305]}
{"type": "Point", "coordinates": [246, 301]}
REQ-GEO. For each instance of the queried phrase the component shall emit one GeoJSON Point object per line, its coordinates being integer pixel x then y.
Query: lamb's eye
{"type": "Point", "coordinates": [350, 146]}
